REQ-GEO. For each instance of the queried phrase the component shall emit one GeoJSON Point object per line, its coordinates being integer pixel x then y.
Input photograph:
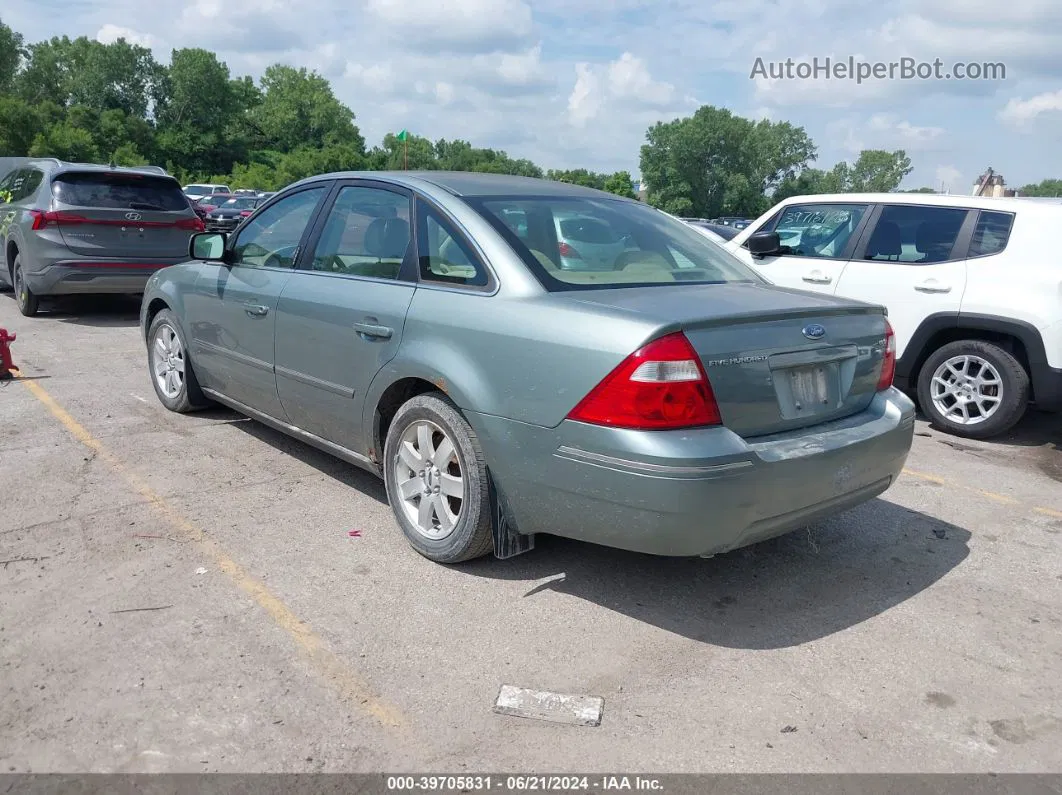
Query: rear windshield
{"type": "Point", "coordinates": [119, 191]}
{"type": "Point", "coordinates": [240, 204]}
{"type": "Point", "coordinates": [199, 189]}
{"type": "Point", "coordinates": [591, 243]}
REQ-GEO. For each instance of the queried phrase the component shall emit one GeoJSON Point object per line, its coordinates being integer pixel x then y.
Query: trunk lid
{"type": "Point", "coordinates": [777, 359]}
{"type": "Point", "coordinates": [122, 215]}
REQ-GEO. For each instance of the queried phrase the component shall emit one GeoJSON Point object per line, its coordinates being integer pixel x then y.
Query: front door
{"type": "Point", "coordinates": [341, 316]}
{"type": "Point", "coordinates": [817, 240]}
{"type": "Point", "coordinates": [231, 311]}
{"type": "Point", "coordinates": [911, 264]}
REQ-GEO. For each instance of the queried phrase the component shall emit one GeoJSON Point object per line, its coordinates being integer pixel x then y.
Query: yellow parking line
{"type": "Point", "coordinates": [326, 662]}
{"type": "Point", "coordinates": [1003, 499]}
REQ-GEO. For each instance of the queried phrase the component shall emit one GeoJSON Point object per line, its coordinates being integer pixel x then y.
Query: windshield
{"type": "Point", "coordinates": [240, 204]}
{"type": "Point", "coordinates": [590, 243]}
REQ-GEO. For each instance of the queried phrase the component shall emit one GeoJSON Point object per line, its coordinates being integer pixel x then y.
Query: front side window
{"type": "Point", "coordinates": [818, 230]}
{"type": "Point", "coordinates": [444, 257]}
{"type": "Point", "coordinates": [991, 233]}
{"type": "Point", "coordinates": [272, 239]}
{"type": "Point", "coordinates": [574, 243]}
{"type": "Point", "coordinates": [367, 234]}
{"type": "Point", "coordinates": [915, 234]}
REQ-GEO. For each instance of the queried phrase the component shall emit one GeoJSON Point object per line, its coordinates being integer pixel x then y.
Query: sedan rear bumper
{"type": "Point", "coordinates": [72, 277]}
{"type": "Point", "coordinates": [698, 492]}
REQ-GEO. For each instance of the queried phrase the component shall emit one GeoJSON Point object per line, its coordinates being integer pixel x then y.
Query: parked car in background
{"type": "Point", "coordinates": [213, 201]}
{"type": "Point", "coordinates": [229, 215]}
{"type": "Point", "coordinates": [716, 232]}
{"type": "Point", "coordinates": [197, 208]}
{"type": "Point", "coordinates": [732, 221]}
{"type": "Point", "coordinates": [245, 192]}
{"type": "Point", "coordinates": [432, 329]}
{"type": "Point", "coordinates": [196, 192]}
{"type": "Point", "coordinates": [585, 243]}
{"type": "Point", "coordinates": [973, 289]}
{"type": "Point", "coordinates": [75, 228]}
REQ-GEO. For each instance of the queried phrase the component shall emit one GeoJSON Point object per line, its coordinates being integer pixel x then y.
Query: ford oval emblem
{"type": "Point", "coordinates": [814, 331]}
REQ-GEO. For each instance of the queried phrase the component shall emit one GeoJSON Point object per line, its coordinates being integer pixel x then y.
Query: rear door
{"type": "Point", "coordinates": [122, 215]}
{"type": "Point", "coordinates": [341, 315]}
{"type": "Point", "coordinates": [913, 261]}
{"type": "Point", "coordinates": [231, 311]}
{"type": "Point", "coordinates": [817, 239]}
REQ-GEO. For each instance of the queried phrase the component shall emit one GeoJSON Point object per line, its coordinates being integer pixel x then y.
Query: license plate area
{"type": "Point", "coordinates": [808, 390]}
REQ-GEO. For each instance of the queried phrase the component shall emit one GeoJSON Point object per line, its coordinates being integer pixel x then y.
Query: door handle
{"type": "Point", "coordinates": [256, 310]}
{"type": "Point", "coordinates": [815, 277]}
{"type": "Point", "coordinates": [372, 330]}
{"type": "Point", "coordinates": [933, 287]}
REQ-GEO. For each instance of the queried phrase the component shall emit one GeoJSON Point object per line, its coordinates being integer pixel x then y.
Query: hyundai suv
{"type": "Point", "coordinates": [74, 228]}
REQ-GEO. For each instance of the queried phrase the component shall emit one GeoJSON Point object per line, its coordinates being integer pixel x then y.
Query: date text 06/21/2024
{"type": "Point", "coordinates": [518, 783]}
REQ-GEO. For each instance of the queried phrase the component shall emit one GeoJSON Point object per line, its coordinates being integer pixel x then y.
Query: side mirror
{"type": "Point", "coordinates": [764, 244]}
{"type": "Point", "coordinates": [208, 246]}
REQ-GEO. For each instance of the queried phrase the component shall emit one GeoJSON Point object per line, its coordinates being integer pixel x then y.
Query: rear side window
{"type": "Point", "coordinates": [915, 234]}
{"type": "Point", "coordinates": [119, 191]}
{"type": "Point", "coordinates": [25, 183]}
{"type": "Point", "coordinates": [444, 257]}
{"type": "Point", "coordinates": [991, 233]}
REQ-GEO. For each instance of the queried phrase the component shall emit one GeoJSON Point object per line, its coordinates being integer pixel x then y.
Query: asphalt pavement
{"type": "Point", "coordinates": [200, 593]}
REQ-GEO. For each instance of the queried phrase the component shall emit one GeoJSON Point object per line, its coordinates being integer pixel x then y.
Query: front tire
{"type": "Point", "coordinates": [170, 367]}
{"type": "Point", "coordinates": [437, 482]}
{"type": "Point", "coordinates": [973, 389]}
{"type": "Point", "coordinates": [27, 300]}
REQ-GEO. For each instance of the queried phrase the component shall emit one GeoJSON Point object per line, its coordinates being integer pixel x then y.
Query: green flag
{"type": "Point", "coordinates": [403, 136]}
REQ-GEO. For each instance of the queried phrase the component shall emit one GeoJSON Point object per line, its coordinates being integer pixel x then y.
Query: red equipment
{"type": "Point", "coordinates": [6, 365]}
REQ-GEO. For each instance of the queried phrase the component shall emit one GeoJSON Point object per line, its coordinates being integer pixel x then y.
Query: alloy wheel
{"type": "Point", "coordinates": [167, 358]}
{"type": "Point", "coordinates": [966, 389]}
{"type": "Point", "coordinates": [429, 479]}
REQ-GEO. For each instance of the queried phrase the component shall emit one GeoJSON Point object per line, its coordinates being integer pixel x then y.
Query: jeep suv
{"type": "Point", "coordinates": [972, 285]}
{"type": "Point", "coordinates": [75, 228]}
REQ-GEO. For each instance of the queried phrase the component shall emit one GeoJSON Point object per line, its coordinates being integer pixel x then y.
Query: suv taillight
{"type": "Point", "coordinates": [888, 362]}
{"type": "Point", "coordinates": [661, 386]}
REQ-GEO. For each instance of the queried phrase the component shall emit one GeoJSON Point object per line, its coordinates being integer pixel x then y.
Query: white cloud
{"type": "Point", "coordinates": [902, 132]}
{"type": "Point", "coordinates": [444, 93]}
{"type": "Point", "coordinates": [110, 33]}
{"type": "Point", "coordinates": [586, 99]}
{"type": "Point", "coordinates": [949, 178]}
{"type": "Point", "coordinates": [628, 78]}
{"type": "Point", "coordinates": [482, 25]}
{"type": "Point", "coordinates": [1020, 112]}
{"type": "Point", "coordinates": [521, 68]}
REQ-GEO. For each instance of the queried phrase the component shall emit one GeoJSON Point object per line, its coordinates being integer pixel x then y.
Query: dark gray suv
{"type": "Point", "coordinates": [75, 228]}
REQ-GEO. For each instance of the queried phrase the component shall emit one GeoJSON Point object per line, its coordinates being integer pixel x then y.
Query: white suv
{"type": "Point", "coordinates": [973, 287]}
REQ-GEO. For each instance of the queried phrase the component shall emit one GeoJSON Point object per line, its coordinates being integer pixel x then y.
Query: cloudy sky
{"type": "Point", "coordinates": [572, 83]}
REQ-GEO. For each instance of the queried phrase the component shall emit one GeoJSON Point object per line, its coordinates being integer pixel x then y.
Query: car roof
{"type": "Point", "coordinates": [1003, 203]}
{"type": "Point", "coordinates": [54, 166]}
{"type": "Point", "coordinates": [469, 183]}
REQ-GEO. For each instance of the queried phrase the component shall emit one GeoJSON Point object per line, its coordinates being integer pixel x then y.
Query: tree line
{"type": "Point", "coordinates": [82, 100]}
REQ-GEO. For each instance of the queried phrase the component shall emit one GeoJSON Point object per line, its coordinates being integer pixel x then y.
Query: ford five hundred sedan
{"type": "Point", "coordinates": [446, 332]}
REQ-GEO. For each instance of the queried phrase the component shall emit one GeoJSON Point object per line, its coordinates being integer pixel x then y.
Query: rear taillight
{"type": "Point", "coordinates": [567, 251]}
{"type": "Point", "coordinates": [191, 224]}
{"type": "Point", "coordinates": [659, 387]}
{"type": "Point", "coordinates": [43, 219]}
{"type": "Point", "coordinates": [888, 362]}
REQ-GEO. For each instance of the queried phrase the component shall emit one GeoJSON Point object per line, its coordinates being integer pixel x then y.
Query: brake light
{"type": "Point", "coordinates": [42, 219]}
{"type": "Point", "coordinates": [661, 386]}
{"type": "Point", "coordinates": [567, 251]}
{"type": "Point", "coordinates": [191, 224]}
{"type": "Point", "coordinates": [888, 363]}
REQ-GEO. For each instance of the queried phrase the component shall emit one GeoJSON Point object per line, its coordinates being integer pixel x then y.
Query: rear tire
{"type": "Point", "coordinates": [28, 302]}
{"type": "Point", "coordinates": [973, 388]}
{"type": "Point", "coordinates": [170, 366]}
{"type": "Point", "coordinates": [437, 482]}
